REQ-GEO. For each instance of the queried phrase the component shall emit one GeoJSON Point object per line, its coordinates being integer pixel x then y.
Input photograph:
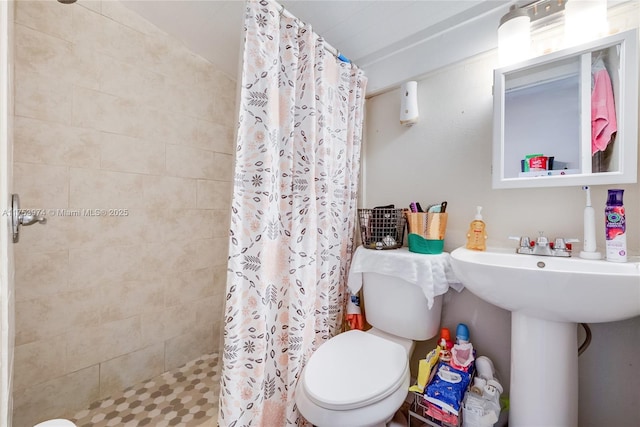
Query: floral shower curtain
{"type": "Point", "coordinates": [293, 214]}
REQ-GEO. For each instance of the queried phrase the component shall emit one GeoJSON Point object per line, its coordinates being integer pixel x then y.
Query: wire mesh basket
{"type": "Point", "coordinates": [381, 228]}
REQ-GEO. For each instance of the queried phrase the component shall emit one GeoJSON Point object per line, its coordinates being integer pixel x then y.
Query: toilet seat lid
{"type": "Point", "coordinates": [354, 369]}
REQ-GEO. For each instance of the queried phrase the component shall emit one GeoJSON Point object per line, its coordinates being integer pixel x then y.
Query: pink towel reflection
{"type": "Point", "coordinates": [603, 111]}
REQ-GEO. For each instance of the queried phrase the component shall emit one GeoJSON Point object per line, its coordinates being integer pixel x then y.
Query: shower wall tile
{"type": "Point", "coordinates": [127, 81]}
{"type": "Point", "coordinates": [166, 127]}
{"type": "Point", "coordinates": [127, 154]}
{"type": "Point", "coordinates": [189, 346]}
{"type": "Point", "coordinates": [38, 52]}
{"type": "Point", "coordinates": [46, 17]}
{"type": "Point", "coordinates": [37, 98]}
{"type": "Point", "coordinates": [95, 5]}
{"type": "Point", "coordinates": [40, 273]}
{"type": "Point", "coordinates": [219, 300]}
{"type": "Point", "coordinates": [45, 317]}
{"type": "Point", "coordinates": [93, 229]}
{"type": "Point", "coordinates": [29, 179]}
{"type": "Point", "coordinates": [215, 136]}
{"type": "Point", "coordinates": [178, 99]}
{"type": "Point", "coordinates": [90, 29]}
{"type": "Point", "coordinates": [187, 255]}
{"type": "Point", "coordinates": [192, 100]}
{"type": "Point", "coordinates": [111, 113]}
{"type": "Point", "coordinates": [122, 300]}
{"type": "Point", "coordinates": [37, 141]}
{"type": "Point", "coordinates": [214, 194]}
{"type": "Point", "coordinates": [222, 222]}
{"type": "Point", "coordinates": [218, 326]}
{"type": "Point", "coordinates": [90, 346]}
{"type": "Point", "coordinates": [206, 72]}
{"type": "Point", "coordinates": [136, 227]}
{"type": "Point", "coordinates": [180, 224]}
{"type": "Point", "coordinates": [57, 397]}
{"type": "Point", "coordinates": [158, 55]}
{"type": "Point", "coordinates": [190, 162]}
{"type": "Point", "coordinates": [117, 374]}
{"type": "Point", "coordinates": [105, 112]}
{"type": "Point", "coordinates": [220, 281]}
{"type": "Point", "coordinates": [58, 59]}
{"type": "Point", "coordinates": [209, 311]}
{"type": "Point", "coordinates": [220, 250]}
{"type": "Point", "coordinates": [88, 66]}
{"type": "Point", "coordinates": [164, 192]}
{"type": "Point", "coordinates": [220, 285]}
{"type": "Point", "coordinates": [103, 266]}
{"type": "Point", "coordinates": [189, 287]}
{"type": "Point", "coordinates": [39, 362]}
{"type": "Point", "coordinates": [168, 56]}
{"type": "Point", "coordinates": [119, 13]}
{"type": "Point", "coordinates": [59, 232]}
{"type": "Point", "coordinates": [223, 166]}
{"type": "Point", "coordinates": [159, 326]}
{"type": "Point", "coordinates": [224, 107]}
{"type": "Point", "coordinates": [204, 314]}
{"type": "Point", "coordinates": [105, 189]}
{"type": "Point", "coordinates": [220, 84]}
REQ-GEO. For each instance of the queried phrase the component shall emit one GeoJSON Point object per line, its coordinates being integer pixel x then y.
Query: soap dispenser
{"type": "Point", "coordinates": [477, 235]}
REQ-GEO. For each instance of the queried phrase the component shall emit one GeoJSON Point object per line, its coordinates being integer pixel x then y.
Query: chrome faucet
{"type": "Point", "coordinates": [543, 247]}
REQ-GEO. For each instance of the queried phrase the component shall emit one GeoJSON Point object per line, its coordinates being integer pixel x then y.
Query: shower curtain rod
{"type": "Point", "coordinates": [332, 50]}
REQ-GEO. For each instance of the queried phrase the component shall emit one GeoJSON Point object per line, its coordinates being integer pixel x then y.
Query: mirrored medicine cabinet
{"type": "Point", "coordinates": [543, 113]}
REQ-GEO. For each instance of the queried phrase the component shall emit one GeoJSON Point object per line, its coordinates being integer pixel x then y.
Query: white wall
{"type": "Point", "coordinates": [447, 156]}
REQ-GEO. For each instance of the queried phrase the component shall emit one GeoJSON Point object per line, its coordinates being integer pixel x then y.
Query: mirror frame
{"type": "Point", "coordinates": [627, 135]}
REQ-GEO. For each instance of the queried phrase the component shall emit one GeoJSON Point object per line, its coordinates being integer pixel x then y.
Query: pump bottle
{"type": "Point", "coordinates": [477, 235]}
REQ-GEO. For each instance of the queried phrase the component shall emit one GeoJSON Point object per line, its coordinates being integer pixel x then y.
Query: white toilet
{"type": "Point", "coordinates": [360, 379]}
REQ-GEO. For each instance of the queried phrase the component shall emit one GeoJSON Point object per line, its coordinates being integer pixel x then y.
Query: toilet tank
{"type": "Point", "coordinates": [400, 308]}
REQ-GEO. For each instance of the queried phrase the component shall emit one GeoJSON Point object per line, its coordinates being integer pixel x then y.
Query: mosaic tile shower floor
{"type": "Point", "coordinates": [186, 397]}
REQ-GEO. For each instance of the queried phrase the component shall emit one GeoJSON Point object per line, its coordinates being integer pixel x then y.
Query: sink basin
{"type": "Point", "coordinates": [552, 288]}
{"type": "Point", "coordinates": [547, 296]}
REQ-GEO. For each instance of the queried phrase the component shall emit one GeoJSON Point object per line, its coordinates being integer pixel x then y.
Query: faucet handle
{"type": "Point", "coordinates": [525, 244]}
{"type": "Point", "coordinates": [560, 244]}
{"type": "Point", "coordinates": [524, 241]}
{"type": "Point", "coordinates": [572, 240]}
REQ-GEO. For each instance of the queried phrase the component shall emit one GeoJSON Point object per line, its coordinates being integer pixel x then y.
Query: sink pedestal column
{"type": "Point", "coordinates": [544, 373]}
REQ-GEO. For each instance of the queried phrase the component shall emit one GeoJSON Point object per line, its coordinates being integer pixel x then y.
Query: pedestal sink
{"type": "Point", "coordinates": [547, 297]}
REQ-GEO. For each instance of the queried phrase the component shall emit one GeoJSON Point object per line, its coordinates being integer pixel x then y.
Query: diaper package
{"type": "Point", "coordinates": [447, 388]}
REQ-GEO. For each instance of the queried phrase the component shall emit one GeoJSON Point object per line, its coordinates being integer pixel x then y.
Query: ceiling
{"type": "Point", "coordinates": [363, 30]}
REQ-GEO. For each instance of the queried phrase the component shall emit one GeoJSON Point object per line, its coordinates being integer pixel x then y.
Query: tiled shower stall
{"type": "Point", "coordinates": [113, 114]}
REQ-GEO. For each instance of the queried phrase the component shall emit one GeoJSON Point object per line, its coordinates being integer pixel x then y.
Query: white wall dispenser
{"type": "Point", "coordinates": [409, 103]}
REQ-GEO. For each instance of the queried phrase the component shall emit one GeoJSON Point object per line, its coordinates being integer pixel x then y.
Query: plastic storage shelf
{"type": "Point", "coordinates": [418, 414]}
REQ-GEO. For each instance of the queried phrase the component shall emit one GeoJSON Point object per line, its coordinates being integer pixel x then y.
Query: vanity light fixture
{"type": "Point", "coordinates": [514, 36]}
{"type": "Point", "coordinates": [514, 32]}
